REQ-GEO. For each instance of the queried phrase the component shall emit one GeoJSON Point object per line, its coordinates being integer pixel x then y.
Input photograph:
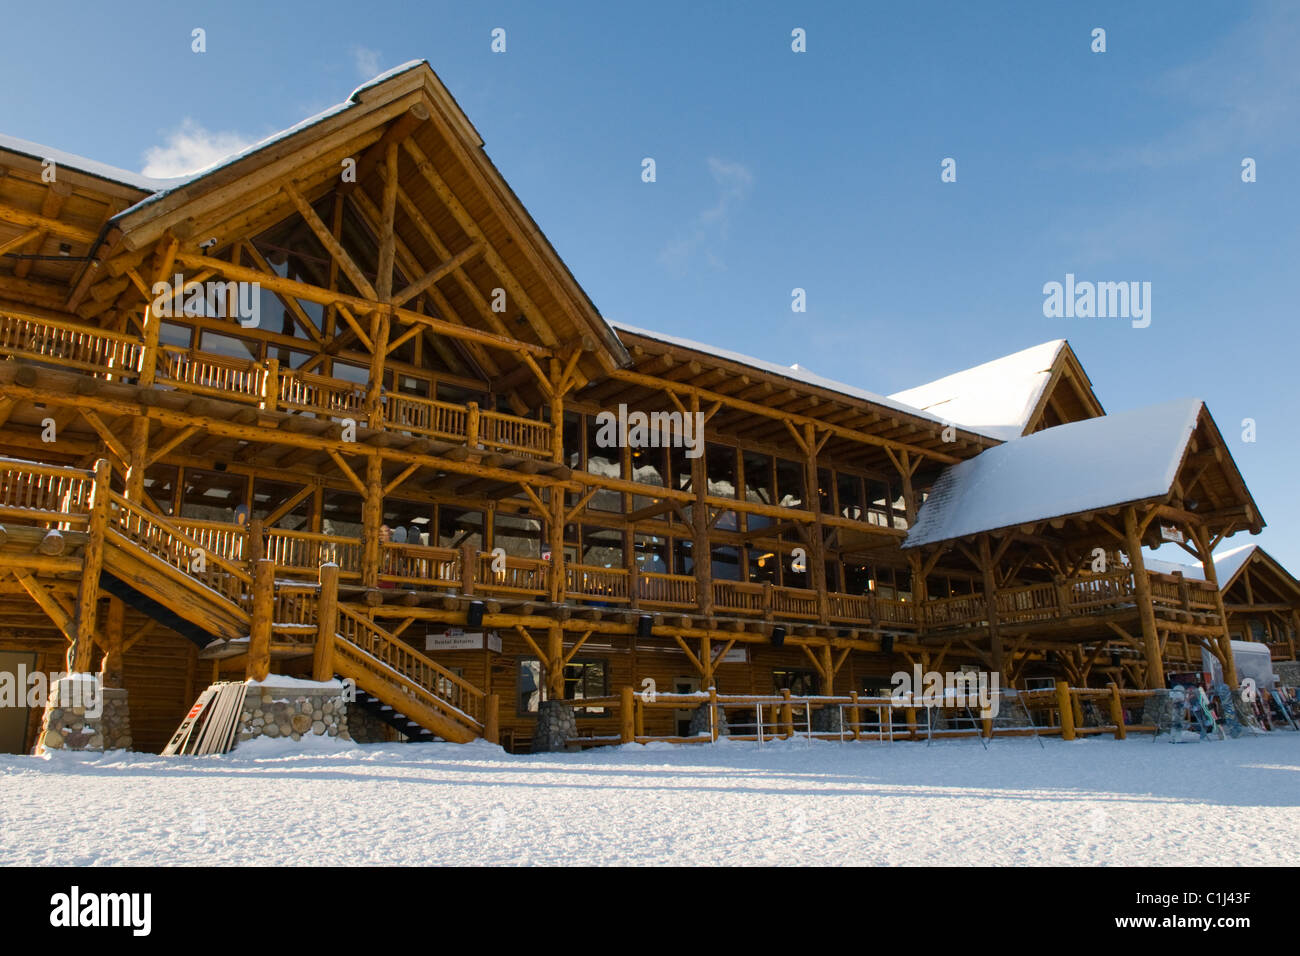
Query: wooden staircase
{"type": "Point", "coordinates": [157, 568]}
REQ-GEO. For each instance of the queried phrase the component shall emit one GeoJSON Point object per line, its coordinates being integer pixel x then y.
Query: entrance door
{"type": "Point", "coordinates": [682, 718]}
{"type": "Point", "coordinates": [13, 720]}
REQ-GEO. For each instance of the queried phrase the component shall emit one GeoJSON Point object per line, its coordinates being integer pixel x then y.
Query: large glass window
{"type": "Point", "coordinates": [606, 462]}
{"type": "Point", "coordinates": [758, 487]}
{"type": "Point", "coordinates": [459, 526]}
{"type": "Point", "coordinates": [585, 679]}
{"type": "Point", "coordinates": [520, 535]}
{"type": "Point", "coordinates": [212, 495]}
{"type": "Point", "coordinates": [789, 483]}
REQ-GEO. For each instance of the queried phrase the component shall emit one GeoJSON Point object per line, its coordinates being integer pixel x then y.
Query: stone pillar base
{"type": "Point", "coordinates": [83, 715]}
{"type": "Point", "coordinates": [287, 707]}
{"type": "Point", "coordinates": [700, 722]}
{"type": "Point", "coordinates": [557, 723]}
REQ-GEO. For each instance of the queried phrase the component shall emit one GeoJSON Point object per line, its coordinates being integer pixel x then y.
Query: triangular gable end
{"type": "Point", "coordinates": [468, 262]}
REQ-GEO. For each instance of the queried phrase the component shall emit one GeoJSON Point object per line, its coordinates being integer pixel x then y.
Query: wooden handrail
{"type": "Point", "coordinates": [418, 670]}
{"type": "Point", "coordinates": [148, 517]}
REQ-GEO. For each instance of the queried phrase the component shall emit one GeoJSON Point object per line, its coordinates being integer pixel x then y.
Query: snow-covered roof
{"type": "Point", "coordinates": [795, 373]}
{"type": "Point", "coordinates": [1080, 466]}
{"type": "Point", "coordinates": [1226, 565]}
{"type": "Point", "coordinates": [996, 398]}
{"type": "Point", "coordinates": [157, 187]}
{"type": "Point", "coordinates": [174, 184]}
{"type": "Point", "coordinates": [89, 166]}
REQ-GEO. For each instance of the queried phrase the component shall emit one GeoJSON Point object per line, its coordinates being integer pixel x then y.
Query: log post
{"type": "Point", "coordinates": [627, 715]}
{"type": "Point", "coordinates": [1117, 712]}
{"type": "Point", "coordinates": [713, 713]}
{"type": "Point", "coordinates": [701, 550]}
{"type": "Point", "coordinates": [471, 424]}
{"type": "Point", "coordinates": [559, 576]}
{"type": "Point", "coordinates": [271, 385]}
{"type": "Point", "coordinates": [1065, 707]}
{"type": "Point", "coordinates": [259, 638]}
{"type": "Point", "coordinates": [327, 623]}
{"type": "Point", "coordinates": [816, 538]}
{"type": "Point", "coordinates": [468, 567]}
{"type": "Point", "coordinates": [640, 716]}
{"type": "Point", "coordinates": [372, 519]}
{"type": "Point", "coordinates": [554, 662]}
{"type": "Point", "coordinates": [114, 632]}
{"type": "Point", "coordinates": [787, 713]}
{"type": "Point", "coordinates": [855, 716]}
{"type": "Point", "coordinates": [1155, 676]}
{"type": "Point", "coordinates": [828, 669]}
{"type": "Point", "coordinates": [1224, 638]}
{"type": "Point", "coordinates": [492, 718]}
{"type": "Point", "coordinates": [991, 605]}
{"type": "Point", "coordinates": [909, 713]}
{"type": "Point", "coordinates": [79, 654]}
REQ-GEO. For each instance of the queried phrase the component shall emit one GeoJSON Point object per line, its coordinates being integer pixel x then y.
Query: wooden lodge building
{"type": "Point", "coordinates": [369, 447]}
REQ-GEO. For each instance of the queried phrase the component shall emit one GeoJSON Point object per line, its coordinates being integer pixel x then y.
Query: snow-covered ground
{"type": "Point", "coordinates": [1087, 801]}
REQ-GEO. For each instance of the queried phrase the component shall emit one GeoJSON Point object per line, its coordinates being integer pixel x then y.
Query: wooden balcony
{"type": "Point", "coordinates": [118, 356]}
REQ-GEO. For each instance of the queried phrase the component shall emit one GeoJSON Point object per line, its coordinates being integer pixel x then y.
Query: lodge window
{"type": "Point", "coordinates": [269, 496]}
{"type": "Point", "coordinates": [605, 462]}
{"type": "Point", "coordinates": [878, 503]}
{"type": "Point", "coordinates": [649, 468]}
{"type": "Point", "coordinates": [160, 485]}
{"type": "Point", "coordinates": [652, 553]}
{"type": "Point", "coordinates": [341, 514]}
{"type": "Point", "coordinates": [212, 495]}
{"type": "Point", "coordinates": [799, 681]}
{"type": "Point", "coordinates": [459, 526]}
{"type": "Point", "coordinates": [764, 566]}
{"type": "Point", "coordinates": [602, 547]}
{"type": "Point", "coordinates": [825, 491]}
{"type": "Point", "coordinates": [849, 488]}
{"type": "Point", "coordinates": [758, 487]}
{"type": "Point", "coordinates": [528, 686]}
{"type": "Point", "coordinates": [720, 462]}
{"type": "Point", "coordinates": [583, 679]}
{"type": "Point", "coordinates": [520, 536]}
{"type": "Point", "coordinates": [229, 346]}
{"type": "Point", "coordinates": [789, 483]}
{"type": "Point", "coordinates": [726, 563]}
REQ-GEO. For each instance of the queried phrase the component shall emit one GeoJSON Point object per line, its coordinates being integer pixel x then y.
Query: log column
{"type": "Point", "coordinates": [991, 605]}
{"type": "Point", "coordinates": [1142, 593]}
{"type": "Point", "coordinates": [816, 538]}
{"type": "Point", "coordinates": [327, 623]}
{"type": "Point", "coordinates": [1224, 639]}
{"type": "Point", "coordinates": [372, 519]}
{"type": "Point", "coordinates": [259, 639]}
{"type": "Point", "coordinates": [701, 553]}
{"type": "Point", "coordinates": [79, 654]}
{"type": "Point", "coordinates": [114, 632]}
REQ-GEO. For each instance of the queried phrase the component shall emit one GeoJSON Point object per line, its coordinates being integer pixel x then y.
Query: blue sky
{"type": "Point", "coordinates": [818, 170]}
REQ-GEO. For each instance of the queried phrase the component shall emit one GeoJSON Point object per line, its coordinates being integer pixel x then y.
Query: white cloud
{"type": "Point", "coordinates": [367, 62]}
{"type": "Point", "coordinates": [709, 229]}
{"type": "Point", "coordinates": [190, 148]}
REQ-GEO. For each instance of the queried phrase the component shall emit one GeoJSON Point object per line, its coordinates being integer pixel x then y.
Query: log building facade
{"type": "Point", "coordinates": [336, 408]}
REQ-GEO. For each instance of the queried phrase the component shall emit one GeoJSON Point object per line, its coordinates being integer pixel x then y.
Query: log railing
{"type": "Point", "coordinates": [298, 552]}
{"type": "Point", "coordinates": [102, 352]}
{"type": "Point", "coordinates": [528, 576]}
{"type": "Point", "coordinates": [954, 611]}
{"type": "Point", "coordinates": [426, 416]}
{"type": "Point", "coordinates": [46, 494]}
{"type": "Point", "coordinates": [221, 538]}
{"type": "Point", "coordinates": [588, 582]}
{"type": "Point", "coordinates": [237, 380]}
{"type": "Point", "coordinates": [320, 394]}
{"type": "Point", "coordinates": [666, 590]}
{"type": "Point", "coordinates": [427, 681]}
{"type": "Point", "coordinates": [70, 345]}
{"type": "Point", "coordinates": [166, 542]}
{"type": "Point", "coordinates": [511, 433]}
{"type": "Point", "coordinates": [419, 565]}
